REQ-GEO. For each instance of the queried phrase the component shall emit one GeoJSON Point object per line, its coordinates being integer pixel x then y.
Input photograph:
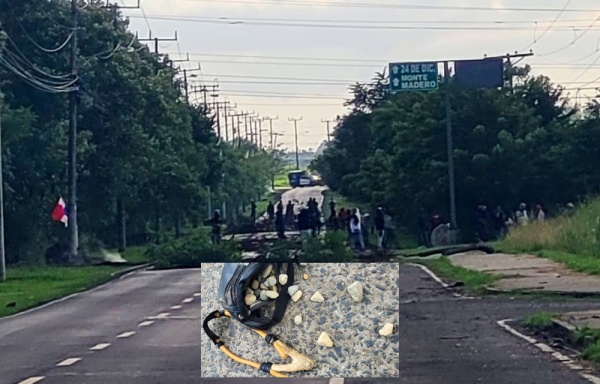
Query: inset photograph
{"type": "Point", "coordinates": [300, 320]}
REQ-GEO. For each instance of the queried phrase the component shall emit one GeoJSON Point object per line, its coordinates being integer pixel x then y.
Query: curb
{"type": "Point", "coordinates": [127, 271]}
{"type": "Point", "coordinates": [574, 294]}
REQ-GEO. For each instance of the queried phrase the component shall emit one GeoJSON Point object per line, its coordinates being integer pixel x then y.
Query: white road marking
{"type": "Point", "coordinates": [336, 381]}
{"type": "Point", "coordinates": [188, 300]}
{"type": "Point", "coordinates": [145, 323]}
{"type": "Point", "coordinates": [546, 348]}
{"type": "Point", "coordinates": [176, 307]}
{"type": "Point", "coordinates": [198, 294]}
{"type": "Point", "coordinates": [431, 274]}
{"type": "Point", "coordinates": [32, 380]}
{"type": "Point", "coordinates": [99, 347]}
{"type": "Point", "coordinates": [68, 362]}
{"type": "Point", "coordinates": [125, 335]}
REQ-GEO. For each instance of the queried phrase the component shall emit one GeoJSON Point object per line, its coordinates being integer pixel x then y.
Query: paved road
{"type": "Point", "coordinates": [443, 339]}
{"type": "Point", "coordinates": [300, 196]}
{"type": "Point", "coordinates": [164, 351]}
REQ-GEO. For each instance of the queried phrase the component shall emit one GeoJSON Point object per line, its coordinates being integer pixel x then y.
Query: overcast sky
{"type": "Point", "coordinates": [359, 52]}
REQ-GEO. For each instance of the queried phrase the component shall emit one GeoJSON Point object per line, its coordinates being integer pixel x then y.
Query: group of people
{"type": "Point", "coordinates": [494, 225]}
{"type": "Point", "coordinates": [309, 217]}
{"type": "Point", "coordinates": [357, 225]}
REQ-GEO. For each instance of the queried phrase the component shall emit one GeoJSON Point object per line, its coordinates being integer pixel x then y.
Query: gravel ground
{"type": "Point", "coordinates": [358, 350]}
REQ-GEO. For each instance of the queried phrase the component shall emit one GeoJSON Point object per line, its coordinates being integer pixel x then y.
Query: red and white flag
{"type": "Point", "coordinates": [60, 212]}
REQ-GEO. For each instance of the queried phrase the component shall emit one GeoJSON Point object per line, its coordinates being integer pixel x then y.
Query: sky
{"type": "Point", "coordinates": [246, 44]}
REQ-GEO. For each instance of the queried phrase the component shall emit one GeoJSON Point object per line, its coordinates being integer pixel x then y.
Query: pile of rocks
{"type": "Point", "coordinates": [265, 288]}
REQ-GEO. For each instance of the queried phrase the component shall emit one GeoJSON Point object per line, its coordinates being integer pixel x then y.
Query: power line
{"type": "Point", "coordinates": [47, 50]}
{"type": "Point", "coordinates": [341, 21]}
{"type": "Point", "coordinates": [394, 6]}
{"type": "Point", "coordinates": [288, 57]}
{"type": "Point", "coordinates": [291, 64]}
{"type": "Point", "coordinates": [276, 78]}
{"type": "Point", "coordinates": [145, 18]}
{"type": "Point", "coordinates": [535, 41]}
{"type": "Point", "coordinates": [577, 38]}
{"type": "Point", "coordinates": [356, 26]}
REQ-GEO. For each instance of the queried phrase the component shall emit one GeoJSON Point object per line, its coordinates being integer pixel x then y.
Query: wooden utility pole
{"type": "Point", "coordinates": [2, 250]}
{"type": "Point", "coordinates": [156, 40]}
{"type": "Point", "coordinates": [295, 121]}
{"type": "Point", "coordinates": [72, 150]}
{"type": "Point", "coordinates": [328, 133]}
{"type": "Point", "coordinates": [270, 120]}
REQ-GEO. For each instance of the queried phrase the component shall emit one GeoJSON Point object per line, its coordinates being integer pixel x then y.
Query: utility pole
{"type": "Point", "coordinates": [237, 116]}
{"type": "Point", "coordinates": [224, 106]}
{"type": "Point", "coordinates": [328, 133]}
{"type": "Point", "coordinates": [450, 148]}
{"type": "Point", "coordinates": [270, 119]}
{"type": "Point", "coordinates": [295, 121]}
{"type": "Point", "coordinates": [73, 100]}
{"type": "Point", "coordinates": [156, 40]}
{"type": "Point", "coordinates": [2, 250]}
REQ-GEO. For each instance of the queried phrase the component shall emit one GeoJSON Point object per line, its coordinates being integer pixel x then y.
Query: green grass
{"type": "Point", "coordinates": [137, 255]}
{"type": "Point", "coordinates": [282, 181]}
{"type": "Point", "coordinates": [474, 281]}
{"type": "Point", "coordinates": [30, 287]}
{"type": "Point", "coordinates": [573, 240]}
{"type": "Point", "coordinates": [539, 321]}
{"type": "Point", "coordinates": [592, 353]}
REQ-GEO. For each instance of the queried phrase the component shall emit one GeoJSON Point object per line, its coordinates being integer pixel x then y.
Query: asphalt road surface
{"type": "Point", "coordinates": [300, 196]}
{"type": "Point", "coordinates": [443, 338]}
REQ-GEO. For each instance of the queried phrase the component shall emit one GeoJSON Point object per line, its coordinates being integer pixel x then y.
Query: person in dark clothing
{"type": "Point", "coordinates": [313, 212]}
{"type": "Point", "coordinates": [331, 208]}
{"type": "Point", "coordinates": [424, 229]}
{"type": "Point", "coordinates": [271, 211]}
{"type": "Point", "coordinates": [500, 223]}
{"type": "Point", "coordinates": [289, 213]}
{"type": "Point", "coordinates": [253, 211]}
{"type": "Point", "coordinates": [342, 219]}
{"type": "Point", "coordinates": [482, 223]}
{"type": "Point", "coordinates": [216, 223]}
{"type": "Point", "coordinates": [304, 223]}
{"type": "Point", "coordinates": [380, 227]}
{"type": "Point", "coordinates": [280, 221]}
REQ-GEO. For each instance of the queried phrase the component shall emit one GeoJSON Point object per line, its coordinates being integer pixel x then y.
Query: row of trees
{"type": "Point", "coordinates": [147, 159]}
{"type": "Point", "coordinates": [522, 144]}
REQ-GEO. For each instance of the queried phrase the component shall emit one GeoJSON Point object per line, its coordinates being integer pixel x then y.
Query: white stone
{"type": "Point", "coordinates": [298, 320]}
{"type": "Point", "coordinates": [325, 340]}
{"type": "Point", "coordinates": [292, 289]}
{"type": "Point", "coordinates": [317, 298]}
{"type": "Point", "coordinates": [356, 291]}
{"type": "Point", "coordinates": [272, 295]}
{"type": "Point", "coordinates": [283, 279]}
{"type": "Point", "coordinates": [267, 270]}
{"type": "Point", "coordinates": [297, 296]}
{"type": "Point", "coordinates": [272, 281]}
{"type": "Point", "coordinates": [249, 299]}
{"type": "Point", "coordinates": [263, 295]}
{"type": "Point", "coordinates": [387, 329]}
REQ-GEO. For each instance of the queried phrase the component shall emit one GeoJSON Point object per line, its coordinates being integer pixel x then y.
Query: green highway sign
{"type": "Point", "coordinates": [413, 77]}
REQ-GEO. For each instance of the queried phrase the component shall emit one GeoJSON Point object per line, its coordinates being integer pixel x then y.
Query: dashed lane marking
{"type": "Point", "coordinates": [32, 380]}
{"type": "Point", "coordinates": [125, 335]}
{"type": "Point", "coordinates": [566, 360]}
{"type": "Point", "coordinates": [99, 347]}
{"type": "Point", "coordinates": [68, 362]}
{"type": "Point", "coordinates": [197, 294]}
{"type": "Point", "coordinates": [176, 307]}
{"type": "Point", "coordinates": [336, 381]}
{"type": "Point", "coordinates": [188, 300]}
{"type": "Point", "coordinates": [145, 324]}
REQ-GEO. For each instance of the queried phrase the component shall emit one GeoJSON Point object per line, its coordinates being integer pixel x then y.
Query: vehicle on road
{"type": "Point", "coordinates": [302, 178]}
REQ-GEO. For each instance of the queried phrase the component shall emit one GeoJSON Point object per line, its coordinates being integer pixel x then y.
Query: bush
{"type": "Point", "coordinates": [576, 234]}
{"type": "Point", "coordinates": [539, 322]}
{"type": "Point", "coordinates": [191, 251]}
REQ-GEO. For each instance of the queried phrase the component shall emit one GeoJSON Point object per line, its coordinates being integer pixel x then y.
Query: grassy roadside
{"type": "Point", "coordinates": [28, 287]}
{"type": "Point", "coordinates": [473, 281]}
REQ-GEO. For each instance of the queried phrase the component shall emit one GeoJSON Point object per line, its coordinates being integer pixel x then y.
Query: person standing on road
{"type": "Point", "coordinates": [304, 223]}
{"type": "Point", "coordinates": [522, 216]}
{"type": "Point", "coordinates": [331, 208]}
{"type": "Point", "coordinates": [289, 213]}
{"type": "Point", "coordinates": [380, 227]}
{"type": "Point", "coordinates": [253, 211]}
{"type": "Point", "coordinates": [356, 234]}
{"type": "Point", "coordinates": [424, 229]}
{"type": "Point", "coordinates": [280, 221]}
{"type": "Point", "coordinates": [271, 211]}
{"type": "Point", "coordinates": [482, 223]}
{"type": "Point", "coordinates": [216, 223]}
